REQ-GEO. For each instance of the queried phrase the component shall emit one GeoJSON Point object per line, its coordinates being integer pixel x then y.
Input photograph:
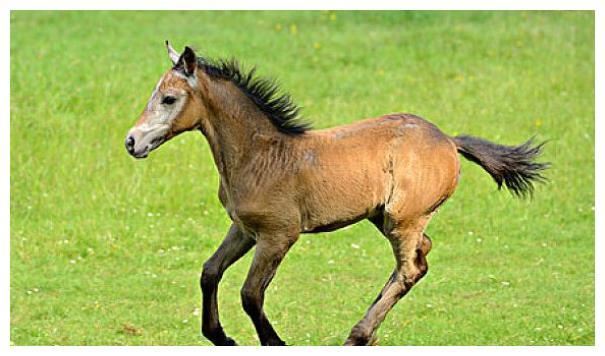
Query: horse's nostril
{"type": "Point", "coordinates": [130, 144]}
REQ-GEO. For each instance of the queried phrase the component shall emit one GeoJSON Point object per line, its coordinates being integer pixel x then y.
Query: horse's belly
{"type": "Point", "coordinates": [332, 225]}
{"type": "Point", "coordinates": [343, 201]}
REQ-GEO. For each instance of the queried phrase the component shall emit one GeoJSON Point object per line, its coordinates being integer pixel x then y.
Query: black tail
{"type": "Point", "coordinates": [514, 166]}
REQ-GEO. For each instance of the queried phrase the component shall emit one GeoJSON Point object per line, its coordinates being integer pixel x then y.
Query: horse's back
{"type": "Point", "coordinates": [399, 162]}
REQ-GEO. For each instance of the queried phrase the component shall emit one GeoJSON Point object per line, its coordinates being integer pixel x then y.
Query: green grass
{"type": "Point", "coordinates": [107, 250]}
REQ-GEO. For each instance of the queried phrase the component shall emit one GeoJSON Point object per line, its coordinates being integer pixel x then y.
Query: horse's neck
{"type": "Point", "coordinates": [232, 128]}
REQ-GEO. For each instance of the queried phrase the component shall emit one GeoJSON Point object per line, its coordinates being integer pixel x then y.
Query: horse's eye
{"type": "Point", "coordinates": [168, 100]}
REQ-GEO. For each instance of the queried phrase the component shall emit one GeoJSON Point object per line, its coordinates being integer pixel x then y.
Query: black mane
{"type": "Point", "coordinates": [265, 93]}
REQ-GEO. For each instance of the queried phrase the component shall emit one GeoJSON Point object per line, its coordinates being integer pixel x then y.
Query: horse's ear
{"type": "Point", "coordinates": [174, 56]}
{"type": "Point", "coordinates": [187, 61]}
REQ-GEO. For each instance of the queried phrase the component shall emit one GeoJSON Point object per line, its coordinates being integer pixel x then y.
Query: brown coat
{"type": "Point", "coordinates": [278, 179]}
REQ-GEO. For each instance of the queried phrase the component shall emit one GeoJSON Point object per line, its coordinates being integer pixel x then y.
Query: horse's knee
{"type": "Point", "coordinates": [251, 301]}
{"type": "Point", "coordinates": [210, 275]}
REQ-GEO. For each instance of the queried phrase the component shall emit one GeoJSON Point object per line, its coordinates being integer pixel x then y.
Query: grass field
{"type": "Point", "coordinates": [106, 250]}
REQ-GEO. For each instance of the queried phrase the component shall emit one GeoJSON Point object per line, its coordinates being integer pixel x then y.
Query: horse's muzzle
{"type": "Point", "coordinates": [129, 144]}
{"type": "Point", "coordinates": [139, 144]}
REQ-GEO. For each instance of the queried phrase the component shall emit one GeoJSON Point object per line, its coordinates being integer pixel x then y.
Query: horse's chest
{"type": "Point", "coordinates": [246, 218]}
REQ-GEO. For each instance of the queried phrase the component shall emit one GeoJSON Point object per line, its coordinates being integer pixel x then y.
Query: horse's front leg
{"type": "Point", "coordinates": [269, 253]}
{"type": "Point", "coordinates": [233, 247]}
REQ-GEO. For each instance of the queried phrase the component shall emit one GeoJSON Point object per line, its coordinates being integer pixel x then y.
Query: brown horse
{"type": "Point", "coordinates": [279, 179]}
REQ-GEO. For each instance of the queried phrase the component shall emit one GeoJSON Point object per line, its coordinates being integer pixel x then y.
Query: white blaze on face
{"type": "Point", "coordinates": [160, 116]}
{"type": "Point", "coordinates": [154, 92]}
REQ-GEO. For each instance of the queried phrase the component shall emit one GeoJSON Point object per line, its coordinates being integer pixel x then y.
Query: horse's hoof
{"type": "Point", "coordinates": [361, 341]}
{"type": "Point", "coordinates": [229, 342]}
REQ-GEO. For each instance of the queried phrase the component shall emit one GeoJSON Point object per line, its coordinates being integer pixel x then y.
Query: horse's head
{"type": "Point", "coordinates": [174, 106]}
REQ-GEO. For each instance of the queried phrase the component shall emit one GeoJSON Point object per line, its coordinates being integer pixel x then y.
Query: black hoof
{"type": "Point", "coordinates": [360, 339]}
{"type": "Point", "coordinates": [228, 342]}
{"type": "Point", "coordinates": [218, 338]}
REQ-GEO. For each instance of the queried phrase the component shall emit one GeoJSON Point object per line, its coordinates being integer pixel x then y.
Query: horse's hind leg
{"type": "Point", "coordinates": [233, 247]}
{"type": "Point", "coordinates": [410, 246]}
